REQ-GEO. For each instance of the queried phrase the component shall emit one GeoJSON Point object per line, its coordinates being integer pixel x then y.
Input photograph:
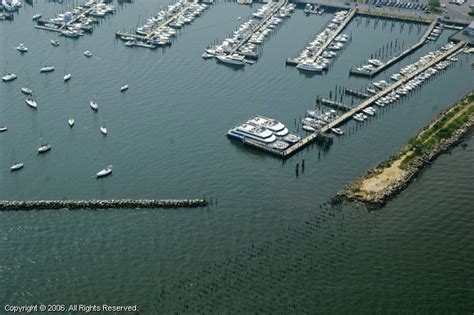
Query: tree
{"type": "Point", "coordinates": [434, 5]}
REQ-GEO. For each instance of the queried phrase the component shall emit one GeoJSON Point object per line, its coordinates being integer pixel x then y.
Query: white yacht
{"type": "Point", "coordinates": [234, 59]}
{"type": "Point", "coordinates": [47, 69]}
{"type": "Point", "coordinates": [3, 129]}
{"type": "Point", "coordinates": [273, 125]}
{"type": "Point", "coordinates": [358, 117]}
{"type": "Point", "coordinates": [369, 111]}
{"type": "Point", "coordinates": [67, 77]}
{"type": "Point", "coordinates": [260, 134]}
{"type": "Point", "coordinates": [105, 172]}
{"type": "Point", "coordinates": [9, 77]}
{"type": "Point", "coordinates": [31, 102]}
{"type": "Point", "coordinates": [308, 128]}
{"type": "Point", "coordinates": [87, 53]}
{"type": "Point", "coordinates": [123, 88]}
{"type": "Point", "coordinates": [26, 90]}
{"type": "Point", "coordinates": [22, 48]}
{"type": "Point", "coordinates": [337, 131]}
{"type": "Point", "coordinates": [94, 105]}
{"type": "Point", "coordinates": [71, 122]}
{"type": "Point", "coordinates": [16, 167]}
{"type": "Point", "coordinates": [310, 66]}
{"type": "Point", "coordinates": [103, 130]}
{"type": "Point", "coordinates": [44, 148]}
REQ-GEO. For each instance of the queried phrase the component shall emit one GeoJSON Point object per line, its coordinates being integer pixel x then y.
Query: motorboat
{"type": "Point", "coordinates": [123, 88]}
{"type": "Point", "coordinates": [87, 53]}
{"type": "Point", "coordinates": [233, 59]}
{"type": "Point", "coordinates": [308, 128]}
{"type": "Point", "coordinates": [9, 77]}
{"type": "Point", "coordinates": [103, 130]}
{"type": "Point", "coordinates": [273, 125]}
{"type": "Point", "coordinates": [337, 131]}
{"type": "Point", "coordinates": [256, 133]}
{"type": "Point", "coordinates": [44, 148]}
{"type": "Point", "coordinates": [369, 111]}
{"type": "Point", "coordinates": [36, 17]}
{"type": "Point", "coordinates": [207, 55]}
{"type": "Point", "coordinates": [67, 77]}
{"type": "Point", "coordinates": [54, 42]}
{"type": "Point", "coordinates": [47, 69]}
{"type": "Point", "coordinates": [358, 117]}
{"type": "Point", "coordinates": [3, 129]}
{"type": "Point", "coordinates": [16, 167]}
{"type": "Point", "coordinates": [94, 105]}
{"type": "Point", "coordinates": [22, 48]}
{"type": "Point", "coordinates": [105, 172]}
{"type": "Point", "coordinates": [26, 90]}
{"type": "Point", "coordinates": [31, 102]}
{"type": "Point", "coordinates": [71, 122]}
{"type": "Point", "coordinates": [310, 66]}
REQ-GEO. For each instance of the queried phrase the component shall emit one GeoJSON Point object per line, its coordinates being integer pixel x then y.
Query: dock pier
{"type": "Point", "coordinates": [16, 205]}
{"type": "Point", "coordinates": [356, 93]}
{"type": "Point", "coordinates": [333, 104]}
{"type": "Point", "coordinates": [352, 12]}
{"type": "Point", "coordinates": [397, 58]}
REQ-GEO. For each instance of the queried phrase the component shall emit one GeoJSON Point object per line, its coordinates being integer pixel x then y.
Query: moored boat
{"type": "Point", "coordinates": [105, 172]}
{"type": "Point", "coordinates": [16, 167]}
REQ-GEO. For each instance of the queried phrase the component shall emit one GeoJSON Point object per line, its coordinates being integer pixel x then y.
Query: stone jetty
{"type": "Point", "coordinates": [13, 205]}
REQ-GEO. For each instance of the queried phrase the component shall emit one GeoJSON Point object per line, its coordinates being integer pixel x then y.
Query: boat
{"type": "Point", "coordinates": [105, 172]}
{"type": "Point", "coordinates": [26, 90]}
{"type": "Point", "coordinates": [369, 111]}
{"type": "Point", "coordinates": [3, 129]}
{"type": "Point", "coordinates": [273, 125]}
{"type": "Point", "coordinates": [22, 48]}
{"type": "Point", "coordinates": [207, 55]}
{"type": "Point", "coordinates": [36, 17]}
{"type": "Point", "coordinates": [87, 54]}
{"type": "Point", "coordinates": [31, 102]}
{"type": "Point", "coordinates": [259, 134]}
{"type": "Point", "coordinates": [103, 130]}
{"type": "Point", "coordinates": [94, 105]}
{"type": "Point", "coordinates": [16, 167]}
{"type": "Point", "coordinates": [337, 131]}
{"type": "Point", "coordinates": [67, 77]}
{"type": "Point", "coordinates": [9, 77]}
{"type": "Point", "coordinates": [71, 122]}
{"type": "Point", "coordinates": [47, 69]}
{"type": "Point", "coordinates": [308, 128]}
{"type": "Point", "coordinates": [123, 88]}
{"type": "Point", "coordinates": [44, 148]}
{"type": "Point", "coordinates": [358, 117]}
{"type": "Point", "coordinates": [234, 59]}
{"type": "Point", "coordinates": [310, 66]}
{"type": "Point", "coordinates": [54, 42]}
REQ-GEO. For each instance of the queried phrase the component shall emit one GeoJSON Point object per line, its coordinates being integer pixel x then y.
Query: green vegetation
{"type": "Point", "coordinates": [434, 5]}
{"type": "Point", "coordinates": [442, 129]}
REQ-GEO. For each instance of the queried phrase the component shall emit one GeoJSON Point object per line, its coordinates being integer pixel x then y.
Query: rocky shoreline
{"type": "Point", "coordinates": [380, 198]}
{"type": "Point", "coordinates": [17, 205]}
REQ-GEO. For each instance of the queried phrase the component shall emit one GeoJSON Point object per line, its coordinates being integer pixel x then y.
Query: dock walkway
{"type": "Point", "coordinates": [397, 58]}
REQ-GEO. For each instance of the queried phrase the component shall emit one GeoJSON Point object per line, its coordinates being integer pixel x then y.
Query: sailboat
{"type": "Point", "coordinates": [37, 16]}
{"type": "Point", "coordinates": [30, 101]}
{"type": "Point", "coordinates": [46, 68]}
{"type": "Point", "coordinates": [7, 77]}
{"type": "Point", "coordinates": [71, 122]}
{"type": "Point", "coordinates": [93, 104]}
{"type": "Point", "coordinates": [44, 147]}
{"type": "Point", "coordinates": [105, 172]}
{"type": "Point", "coordinates": [15, 166]}
{"type": "Point", "coordinates": [123, 88]}
{"type": "Point", "coordinates": [3, 128]}
{"type": "Point", "coordinates": [26, 90]}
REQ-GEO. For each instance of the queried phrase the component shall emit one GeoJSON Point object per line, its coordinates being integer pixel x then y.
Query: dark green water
{"type": "Point", "coordinates": [271, 244]}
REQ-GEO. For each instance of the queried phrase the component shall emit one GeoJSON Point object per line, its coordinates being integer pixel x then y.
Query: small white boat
{"type": "Point", "coordinates": [94, 105]}
{"type": "Point", "coordinates": [9, 77]}
{"type": "Point", "coordinates": [16, 167]}
{"type": "Point", "coordinates": [87, 54]}
{"type": "Point", "coordinates": [36, 17]}
{"type": "Point", "coordinates": [103, 130]}
{"type": "Point", "coordinates": [54, 42]}
{"type": "Point", "coordinates": [358, 117]}
{"type": "Point", "coordinates": [337, 131]}
{"type": "Point", "coordinates": [26, 90]}
{"type": "Point", "coordinates": [207, 55]}
{"type": "Point", "coordinates": [71, 122]}
{"type": "Point", "coordinates": [3, 129]}
{"type": "Point", "coordinates": [22, 48]}
{"type": "Point", "coordinates": [105, 172]}
{"type": "Point", "coordinates": [67, 77]}
{"type": "Point", "coordinates": [123, 88]}
{"type": "Point", "coordinates": [309, 128]}
{"type": "Point", "coordinates": [44, 148]}
{"type": "Point", "coordinates": [47, 69]}
{"type": "Point", "coordinates": [31, 102]}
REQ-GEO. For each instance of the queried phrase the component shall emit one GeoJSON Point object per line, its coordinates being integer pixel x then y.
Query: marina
{"type": "Point", "coordinates": [160, 28]}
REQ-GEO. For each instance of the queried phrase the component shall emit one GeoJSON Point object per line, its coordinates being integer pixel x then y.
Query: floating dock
{"type": "Point", "coordinates": [356, 93]}
{"type": "Point", "coordinates": [333, 104]}
{"type": "Point", "coordinates": [339, 29]}
{"type": "Point", "coordinates": [7, 205]}
{"type": "Point", "coordinates": [399, 57]}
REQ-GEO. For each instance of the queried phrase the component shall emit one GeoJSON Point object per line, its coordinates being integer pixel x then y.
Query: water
{"type": "Point", "coordinates": [255, 249]}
